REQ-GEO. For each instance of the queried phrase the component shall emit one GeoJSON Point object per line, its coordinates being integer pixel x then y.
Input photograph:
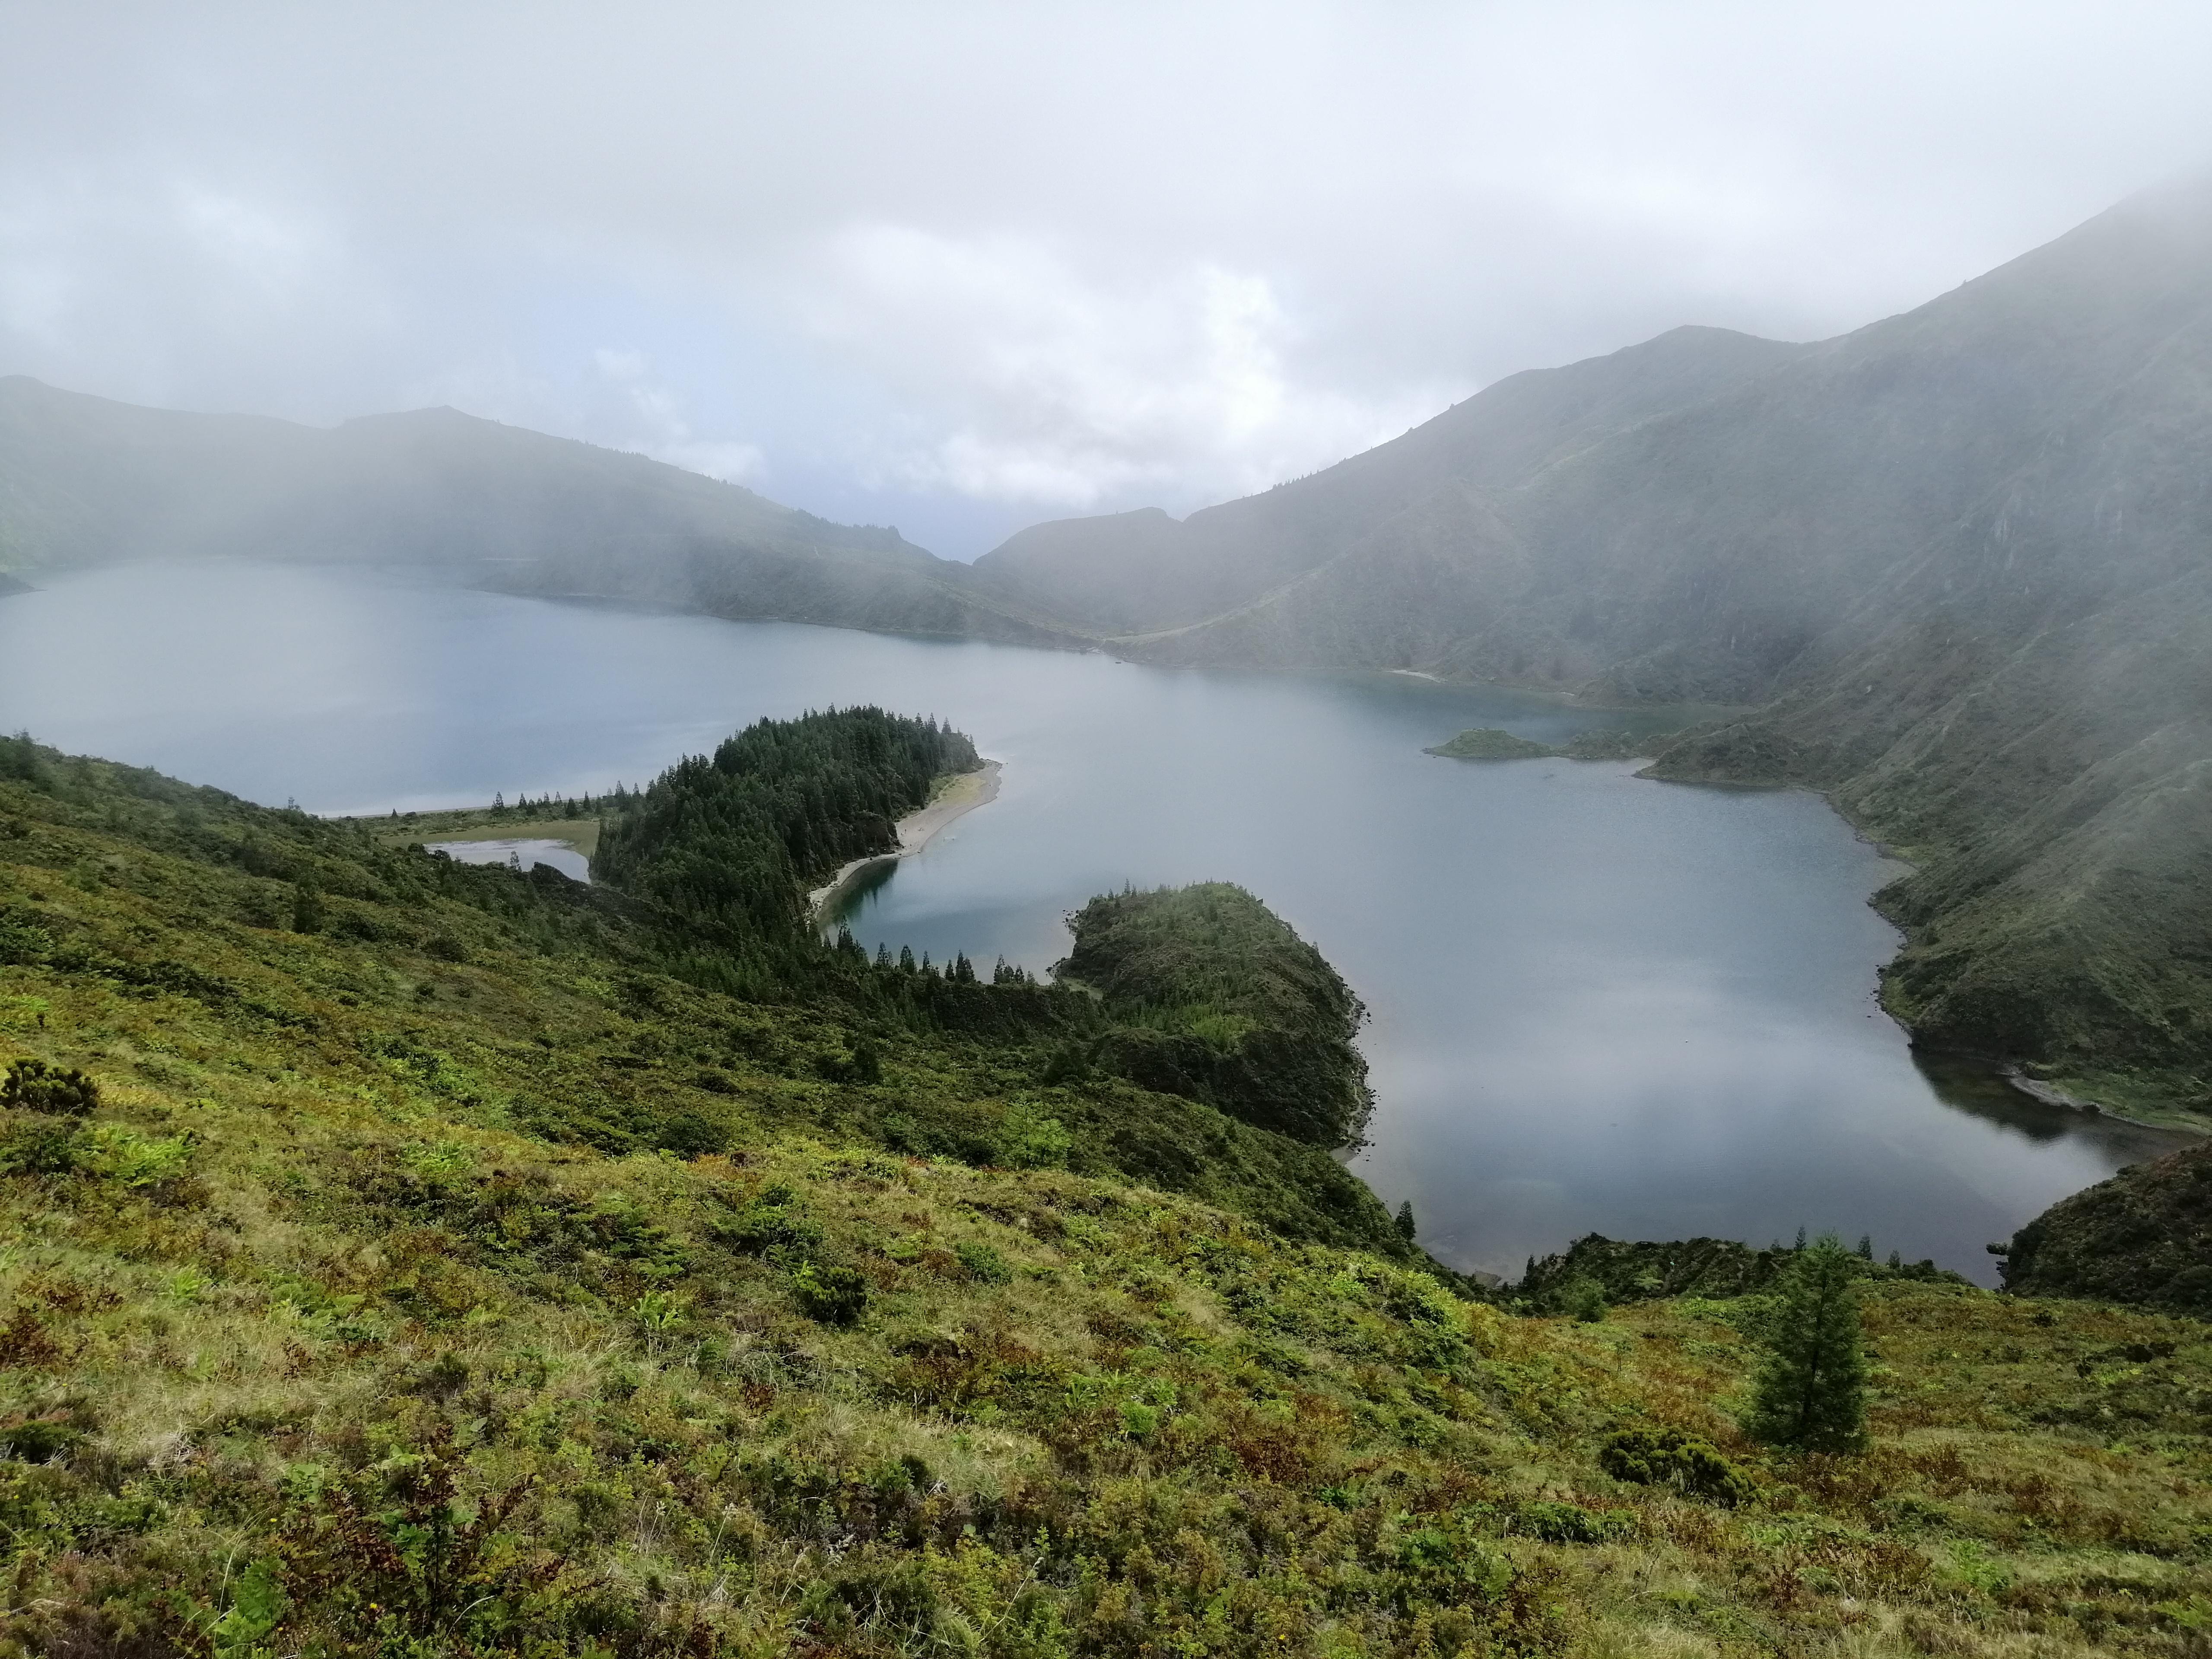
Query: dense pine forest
{"type": "Point", "coordinates": [729, 842]}
{"type": "Point", "coordinates": [406, 1258]}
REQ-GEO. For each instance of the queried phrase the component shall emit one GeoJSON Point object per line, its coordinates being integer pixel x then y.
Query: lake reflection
{"type": "Point", "coordinates": [1599, 1003]}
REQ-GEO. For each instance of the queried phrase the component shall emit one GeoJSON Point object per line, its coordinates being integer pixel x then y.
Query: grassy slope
{"type": "Point", "coordinates": [320, 1326]}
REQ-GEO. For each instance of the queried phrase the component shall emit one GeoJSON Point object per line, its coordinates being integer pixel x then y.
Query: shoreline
{"type": "Point", "coordinates": [964, 792]}
{"type": "Point", "coordinates": [2051, 1094]}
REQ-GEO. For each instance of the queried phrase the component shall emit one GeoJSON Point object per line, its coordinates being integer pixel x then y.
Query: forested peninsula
{"type": "Point", "coordinates": [400, 1256]}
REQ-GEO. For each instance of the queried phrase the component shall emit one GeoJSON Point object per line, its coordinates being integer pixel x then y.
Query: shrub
{"type": "Point", "coordinates": [1068, 1063]}
{"type": "Point", "coordinates": [692, 1134]}
{"type": "Point", "coordinates": [40, 1439]}
{"type": "Point", "coordinates": [1028, 1139]}
{"type": "Point", "coordinates": [116, 1155]}
{"type": "Point", "coordinates": [867, 1066]}
{"type": "Point", "coordinates": [1571, 1523]}
{"type": "Point", "coordinates": [982, 1262]}
{"type": "Point", "coordinates": [41, 1145]}
{"type": "Point", "coordinates": [834, 1296]}
{"type": "Point", "coordinates": [771, 1226]}
{"type": "Point", "coordinates": [32, 1085]}
{"type": "Point", "coordinates": [1668, 1457]}
{"type": "Point", "coordinates": [1585, 1300]}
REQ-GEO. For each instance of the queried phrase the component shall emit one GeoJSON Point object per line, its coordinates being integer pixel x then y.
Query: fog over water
{"type": "Point", "coordinates": [1598, 1002]}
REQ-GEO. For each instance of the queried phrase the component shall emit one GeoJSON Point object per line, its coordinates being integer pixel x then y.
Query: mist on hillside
{"type": "Point", "coordinates": [963, 271]}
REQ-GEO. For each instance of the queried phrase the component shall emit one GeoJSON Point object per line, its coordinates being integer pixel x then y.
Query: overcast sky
{"type": "Point", "coordinates": [961, 267]}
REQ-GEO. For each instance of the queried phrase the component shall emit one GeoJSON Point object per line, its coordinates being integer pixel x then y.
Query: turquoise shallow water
{"type": "Point", "coordinates": [1598, 1003]}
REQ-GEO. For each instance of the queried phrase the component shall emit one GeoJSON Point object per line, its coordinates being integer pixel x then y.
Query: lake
{"type": "Point", "coordinates": [1598, 1003]}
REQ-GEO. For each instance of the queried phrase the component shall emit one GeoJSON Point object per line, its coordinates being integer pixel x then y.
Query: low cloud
{"type": "Point", "coordinates": [661, 430]}
{"type": "Point", "coordinates": [1049, 387]}
{"type": "Point", "coordinates": [918, 262]}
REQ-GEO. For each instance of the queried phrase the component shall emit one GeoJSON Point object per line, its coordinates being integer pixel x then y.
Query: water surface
{"type": "Point", "coordinates": [522, 852]}
{"type": "Point", "coordinates": [1598, 1003]}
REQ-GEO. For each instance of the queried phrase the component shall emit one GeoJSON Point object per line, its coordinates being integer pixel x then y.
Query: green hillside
{"type": "Point", "coordinates": [1488, 743]}
{"type": "Point", "coordinates": [400, 1257]}
{"type": "Point", "coordinates": [2143, 1235]}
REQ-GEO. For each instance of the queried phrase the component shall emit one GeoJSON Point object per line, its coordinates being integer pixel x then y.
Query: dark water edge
{"type": "Point", "coordinates": [1968, 1083]}
{"type": "Point", "coordinates": [1598, 1003]}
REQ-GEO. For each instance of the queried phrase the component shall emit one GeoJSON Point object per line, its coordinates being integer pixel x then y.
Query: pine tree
{"type": "Point", "coordinates": [1405, 1221]}
{"type": "Point", "coordinates": [1810, 1393]}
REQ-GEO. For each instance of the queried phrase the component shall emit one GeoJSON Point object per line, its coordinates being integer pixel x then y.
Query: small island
{"type": "Point", "coordinates": [1488, 743]}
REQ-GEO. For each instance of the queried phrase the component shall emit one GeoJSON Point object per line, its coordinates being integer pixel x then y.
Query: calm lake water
{"type": "Point", "coordinates": [1599, 1003]}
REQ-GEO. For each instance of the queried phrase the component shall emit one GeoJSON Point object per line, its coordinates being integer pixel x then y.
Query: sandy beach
{"type": "Point", "coordinates": [962, 792]}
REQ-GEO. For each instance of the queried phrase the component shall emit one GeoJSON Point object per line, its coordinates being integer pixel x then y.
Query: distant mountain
{"type": "Point", "coordinates": [1133, 573]}
{"type": "Point", "coordinates": [85, 481]}
{"type": "Point", "coordinates": [1960, 561]}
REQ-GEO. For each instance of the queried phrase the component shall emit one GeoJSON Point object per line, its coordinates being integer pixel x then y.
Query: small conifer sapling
{"type": "Point", "coordinates": [1810, 1393]}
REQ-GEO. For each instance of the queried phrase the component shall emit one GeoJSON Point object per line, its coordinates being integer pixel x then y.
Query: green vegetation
{"type": "Point", "coordinates": [1213, 997]}
{"type": "Point", "coordinates": [468, 1277]}
{"type": "Point", "coordinates": [1948, 568]}
{"type": "Point", "coordinates": [1488, 743]}
{"type": "Point", "coordinates": [1613, 745]}
{"type": "Point", "coordinates": [1705, 1268]}
{"type": "Point", "coordinates": [2144, 1236]}
{"type": "Point", "coordinates": [1668, 1458]}
{"type": "Point", "coordinates": [728, 844]}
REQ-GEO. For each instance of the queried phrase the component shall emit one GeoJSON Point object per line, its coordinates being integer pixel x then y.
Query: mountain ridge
{"type": "Point", "coordinates": [1955, 560]}
{"type": "Point", "coordinates": [85, 480]}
